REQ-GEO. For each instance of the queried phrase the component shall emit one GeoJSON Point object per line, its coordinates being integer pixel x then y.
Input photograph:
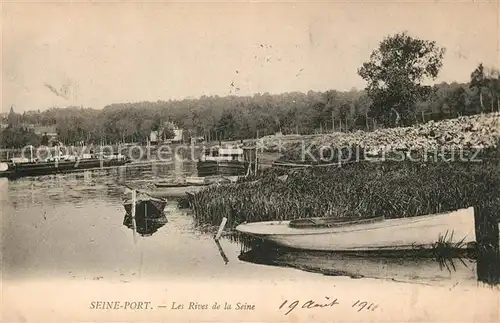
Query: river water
{"type": "Point", "coordinates": [72, 226]}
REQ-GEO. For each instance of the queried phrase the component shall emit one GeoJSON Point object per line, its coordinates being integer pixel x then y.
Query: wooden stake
{"type": "Point", "coordinates": [134, 200]}
{"type": "Point", "coordinates": [333, 122]}
{"type": "Point", "coordinates": [221, 228]}
{"type": "Point", "coordinates": [222, 253]}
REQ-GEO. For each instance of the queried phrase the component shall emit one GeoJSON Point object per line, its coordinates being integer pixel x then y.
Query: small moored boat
{"type": "Point", "coordinates": [367, 234]}
{"type": "Point", "coordinates": [198, 181]}
{"type": "Point", "coordinates": [177, 185]}
{"type": "Point", "coordinates": [225, 161]}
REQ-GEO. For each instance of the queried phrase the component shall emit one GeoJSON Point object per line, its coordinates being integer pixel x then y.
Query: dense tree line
{"type": "Point", "coordinates": [394, 96]}
{"type": "Point", "coordinates": [246, 117]}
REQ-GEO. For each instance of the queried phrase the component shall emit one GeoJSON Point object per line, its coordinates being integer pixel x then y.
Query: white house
{"type": "Point", "coordinates": [153, 137]}
{"type": "Point", "coordinates": [178, 135]}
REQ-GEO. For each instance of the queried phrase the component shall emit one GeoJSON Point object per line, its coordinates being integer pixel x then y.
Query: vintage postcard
{"type": "Point", "coordinates": [250, 161]}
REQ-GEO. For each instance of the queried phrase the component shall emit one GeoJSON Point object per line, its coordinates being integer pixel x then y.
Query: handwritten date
{"type": "Point", "coordinates": [359, 305]}
{"type": "Point", "coordinates": [308, 305]}
{"type": "Point", "coordinates": [362, 305]}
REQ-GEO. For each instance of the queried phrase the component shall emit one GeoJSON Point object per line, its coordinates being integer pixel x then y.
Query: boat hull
{"type": "Point", "coordinates": [393, 234]}
{"type": "Point", "coordinates": [47, 168]}
{"type": "Point", "coordinates": [176, 185]}
{"type": "Point", "coordinates": [162, 192]}
{"type": "Point", "coordinates": [190, 186]}
{"type": "Point", "coordinates": [221, 168]}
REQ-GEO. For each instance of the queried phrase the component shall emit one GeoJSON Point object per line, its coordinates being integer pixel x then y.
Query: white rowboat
{"type": "Point", "coordinates": [368, 235]}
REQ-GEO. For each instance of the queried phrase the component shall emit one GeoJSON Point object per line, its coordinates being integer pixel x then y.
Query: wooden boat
{"type": "Point", "coordinates": [367, 234]}
{"type": "Point", "coordinates": [146, 206]}
{"type": "Point", "coordinates": [177, 185]}
{"type": "Point", "coordinates": [165, 192]}
{"type": "Point", "coordinates": [197, 181]}
{"type": "Point", "coordinates": [224, 162]}
{"type": "Point", "coordinates": [13, 170]}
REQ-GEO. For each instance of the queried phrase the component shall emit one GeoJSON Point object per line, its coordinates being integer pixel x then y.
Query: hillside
{"type": "Point", "coordinates": [477, 131]}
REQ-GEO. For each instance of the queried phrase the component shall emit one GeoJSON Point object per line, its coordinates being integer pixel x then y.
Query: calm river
{"type": "Point", "coordinates": [71, 226]}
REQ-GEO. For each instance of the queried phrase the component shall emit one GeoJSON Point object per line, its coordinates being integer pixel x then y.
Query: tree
{"type": "Point", "coordinates": [458, 101]}
{"type": "Point", "coordinates": [493, 86]}
{"type": "Point", "coordinates": [13, 119]}
{"type": "Point", "coordinates": [478, 83]}
{"type": "Point", "coordinates": [395, 73]}
{"type": "Point", "coordinates": [168, 133]}
{"type": "Point", "coordinates": [18, 137]}
{"type": "Point", "coordinates": [44, 141]}
{"type": "Point", "coordinates": [166, 130]}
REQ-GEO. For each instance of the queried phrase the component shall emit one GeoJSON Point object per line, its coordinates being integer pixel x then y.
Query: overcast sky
{"type": "Point", "coordinates": [97, 54]}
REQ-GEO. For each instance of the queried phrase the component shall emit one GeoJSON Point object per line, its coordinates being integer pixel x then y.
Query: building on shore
{"type": "Point", "coordinates": [158, 136]}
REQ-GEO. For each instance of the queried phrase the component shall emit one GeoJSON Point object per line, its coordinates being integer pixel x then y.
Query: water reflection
{"type": "Point", "coordinates": [4, 190]}
{"type": "Point", "coordinates": [478, 264]}
{"type": "Point", "coordinates": [73, 224]}
{"type": "Point", "coordinates": [79, 187]}
{"type": "Point", "coordinates": [221, 252]}
{"type": "Point", "coordinates": [145, 226]}
{"type": "Point", "coordinates": [416, 270]}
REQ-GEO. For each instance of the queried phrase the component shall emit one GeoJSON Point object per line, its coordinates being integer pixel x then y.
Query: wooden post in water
{"type": "Point", "coordinates": [333, 122]}
{"type": "Point", "coordinates": [222, 253]}
{"type": "Point", "coordinates": [256, 144]}
{"type": "Point", "coordinates": [132, 210]}
{"type": "Point", "coordinates": [488, 246]}
{"type": "Point", "coordinates": [148, 150]}
{"type": "Point", "coordinates": [221, 228]}
{"type": "Point", "coordinates": [256, 161]}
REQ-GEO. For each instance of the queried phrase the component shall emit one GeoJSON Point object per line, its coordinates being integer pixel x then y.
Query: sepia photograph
{"type": "Point", "coordinates": [250, 161]}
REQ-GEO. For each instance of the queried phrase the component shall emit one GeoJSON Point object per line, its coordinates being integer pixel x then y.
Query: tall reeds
{"type": "Point", "coordinates": [392, 189]}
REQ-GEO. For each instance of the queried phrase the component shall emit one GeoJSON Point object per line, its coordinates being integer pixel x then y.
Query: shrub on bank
{"type": "Point", "coordinates": [392, 189]}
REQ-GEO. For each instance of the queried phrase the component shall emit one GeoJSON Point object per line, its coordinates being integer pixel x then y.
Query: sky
{"type": "Point", "coordinates": [96, 54]}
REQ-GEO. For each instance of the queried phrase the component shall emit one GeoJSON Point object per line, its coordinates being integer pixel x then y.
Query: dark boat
{"type": "Point", "coordinates": [13, 170]}
{"type": "Point", "coordinates": [180, 185]}
{"type": "Point", "coordinates": [146, 206]}
{"type": "Point", "coordinates": [222, 168]}
{"type": "Point", "coordinates": [197, 181]}
{"type": "Point", "coordinates": [219, 161]}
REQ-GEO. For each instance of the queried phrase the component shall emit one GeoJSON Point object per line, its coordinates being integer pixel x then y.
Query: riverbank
{"type": "Point", "coordinates": [394, 189]}
{"type": "Point", "coordinates": [470, 132]}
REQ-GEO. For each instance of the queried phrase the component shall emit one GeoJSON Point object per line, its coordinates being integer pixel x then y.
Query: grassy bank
{"type": "Point", "coordinates": [392, 189]}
